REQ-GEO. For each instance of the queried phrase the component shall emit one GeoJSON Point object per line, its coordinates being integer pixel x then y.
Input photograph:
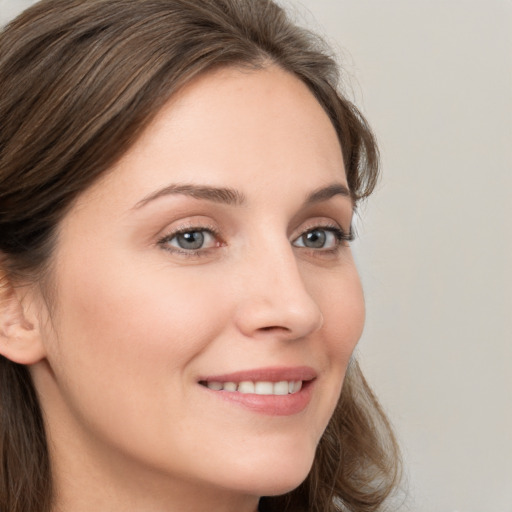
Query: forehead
{"type": "Point", "coordinates": [241, 128]}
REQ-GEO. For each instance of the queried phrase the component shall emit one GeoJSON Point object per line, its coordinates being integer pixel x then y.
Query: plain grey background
{"type": "Point", "coordinates": [434, 78]}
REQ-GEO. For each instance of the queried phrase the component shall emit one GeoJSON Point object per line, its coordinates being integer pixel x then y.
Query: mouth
{"type": "Point", "coordinates": [273, 391]}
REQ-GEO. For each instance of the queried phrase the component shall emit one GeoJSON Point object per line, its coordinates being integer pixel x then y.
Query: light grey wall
{"type": "Point", "coordinates": [434, 77]}
{"type": "Point", "coordinates": [10, 8]}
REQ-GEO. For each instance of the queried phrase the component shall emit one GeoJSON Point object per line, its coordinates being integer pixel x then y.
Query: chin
{"type": "Point", "coordinates": [276, 477]}
{"type": "Point", "coordinates": [281, 485]}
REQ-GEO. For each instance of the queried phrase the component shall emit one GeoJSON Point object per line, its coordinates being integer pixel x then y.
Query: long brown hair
{"type": "Point", "coordinates": [80, 80]}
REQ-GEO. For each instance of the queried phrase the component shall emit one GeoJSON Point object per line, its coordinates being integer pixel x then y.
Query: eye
{"type": "Point", "coordinates": [193, 239]}
{"type": "Point", "coordinates": [321, 238]}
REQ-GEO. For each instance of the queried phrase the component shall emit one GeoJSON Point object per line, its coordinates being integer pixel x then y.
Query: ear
{"type": "Point", "coordinates": [20, 339]}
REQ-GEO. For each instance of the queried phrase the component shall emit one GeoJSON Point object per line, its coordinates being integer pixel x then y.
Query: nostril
{"type": "Point", "coordinates": [274, 328]}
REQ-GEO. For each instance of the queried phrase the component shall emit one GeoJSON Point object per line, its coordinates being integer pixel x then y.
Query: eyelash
{"type": "Point", "coordinates": [339, 234]}
{"type": "Point", "coordinates": [190, 253]}
{"type": "Point", "coordinates": [342, 238]}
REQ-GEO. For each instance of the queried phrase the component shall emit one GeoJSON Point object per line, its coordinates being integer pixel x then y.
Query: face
{"type": "Point", "coordinates": [207, 300]}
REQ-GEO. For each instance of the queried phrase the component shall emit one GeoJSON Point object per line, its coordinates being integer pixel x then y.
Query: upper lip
{"type": "Point", "coordinates": [269, 374]}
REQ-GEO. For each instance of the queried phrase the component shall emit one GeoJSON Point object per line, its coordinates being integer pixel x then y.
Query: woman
{"type": "Point", "coordinates": [179, 301]}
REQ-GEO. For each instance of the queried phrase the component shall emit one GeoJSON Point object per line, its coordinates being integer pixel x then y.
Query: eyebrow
{"type": "Point", "coordinates": [233, 197]}
{"type": "Point", "coordinates": [224, 195]}
{"type": "Point", "coordinates": [328, 192]}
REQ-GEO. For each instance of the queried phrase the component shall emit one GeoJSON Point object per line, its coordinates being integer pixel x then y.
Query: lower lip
{"type": "Point", "coordinates": [272, 405]}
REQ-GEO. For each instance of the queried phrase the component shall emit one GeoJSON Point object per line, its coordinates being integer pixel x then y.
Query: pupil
{"type": "Point", "coordinates": [191, 240]}
{"type": "Point", "coordinates": [315, 239]}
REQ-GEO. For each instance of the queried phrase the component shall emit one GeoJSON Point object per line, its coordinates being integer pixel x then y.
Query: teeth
{"type": "Point", "coordinates": [264, 388]}
{"type": "Point", "coordinates": [246, 387]}
{"type": "Point", "coordinates": [230, 386]}
{"type": "Point", "coordinates": [297, 385]}
{"type": "Point", "coordinates": [283, 387]}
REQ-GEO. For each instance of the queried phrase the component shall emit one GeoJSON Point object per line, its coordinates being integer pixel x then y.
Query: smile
{"type": "Point", "coordinates": [274, 391]}
{"type": "Point", "coordinates": [283, 387]}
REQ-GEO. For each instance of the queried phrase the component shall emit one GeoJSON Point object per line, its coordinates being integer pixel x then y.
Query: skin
{"type": "Point", "coordinates": [137, 321]}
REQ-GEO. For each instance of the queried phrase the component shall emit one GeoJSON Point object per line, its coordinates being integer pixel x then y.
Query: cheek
{"type": "Point", "coordinates": [120, 336]}
{"type": "Point", "coordinates": [138, 307]}
{"type": "Point", "coordinates": [345, 318]}
{"type": "Point", "coordinates": [341, 301]}
{"type": "Point", "coordinates": [122, 354]}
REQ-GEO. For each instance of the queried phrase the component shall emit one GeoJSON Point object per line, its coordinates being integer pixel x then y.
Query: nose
{"type": "Point", "coordinates": [274, 299]}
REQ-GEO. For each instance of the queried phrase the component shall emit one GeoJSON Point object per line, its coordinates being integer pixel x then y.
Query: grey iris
{"type": "Point", "coordinates": [190, 240]}
{"type": "Point", "coordinates": [314, 239]}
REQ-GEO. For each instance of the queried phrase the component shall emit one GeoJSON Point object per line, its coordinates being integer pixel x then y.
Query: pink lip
{"type": "Point", "coordinates": [270, 374]}
{"type": "Point", "coordinates": [273, 405]}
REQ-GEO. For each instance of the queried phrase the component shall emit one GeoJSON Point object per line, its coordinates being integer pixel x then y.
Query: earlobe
{"type": "Point", "coordinates": [20, 339]}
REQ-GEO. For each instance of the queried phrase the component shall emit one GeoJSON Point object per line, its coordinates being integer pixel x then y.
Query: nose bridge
{"type": "Point", "coordinates": [275, 296]}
